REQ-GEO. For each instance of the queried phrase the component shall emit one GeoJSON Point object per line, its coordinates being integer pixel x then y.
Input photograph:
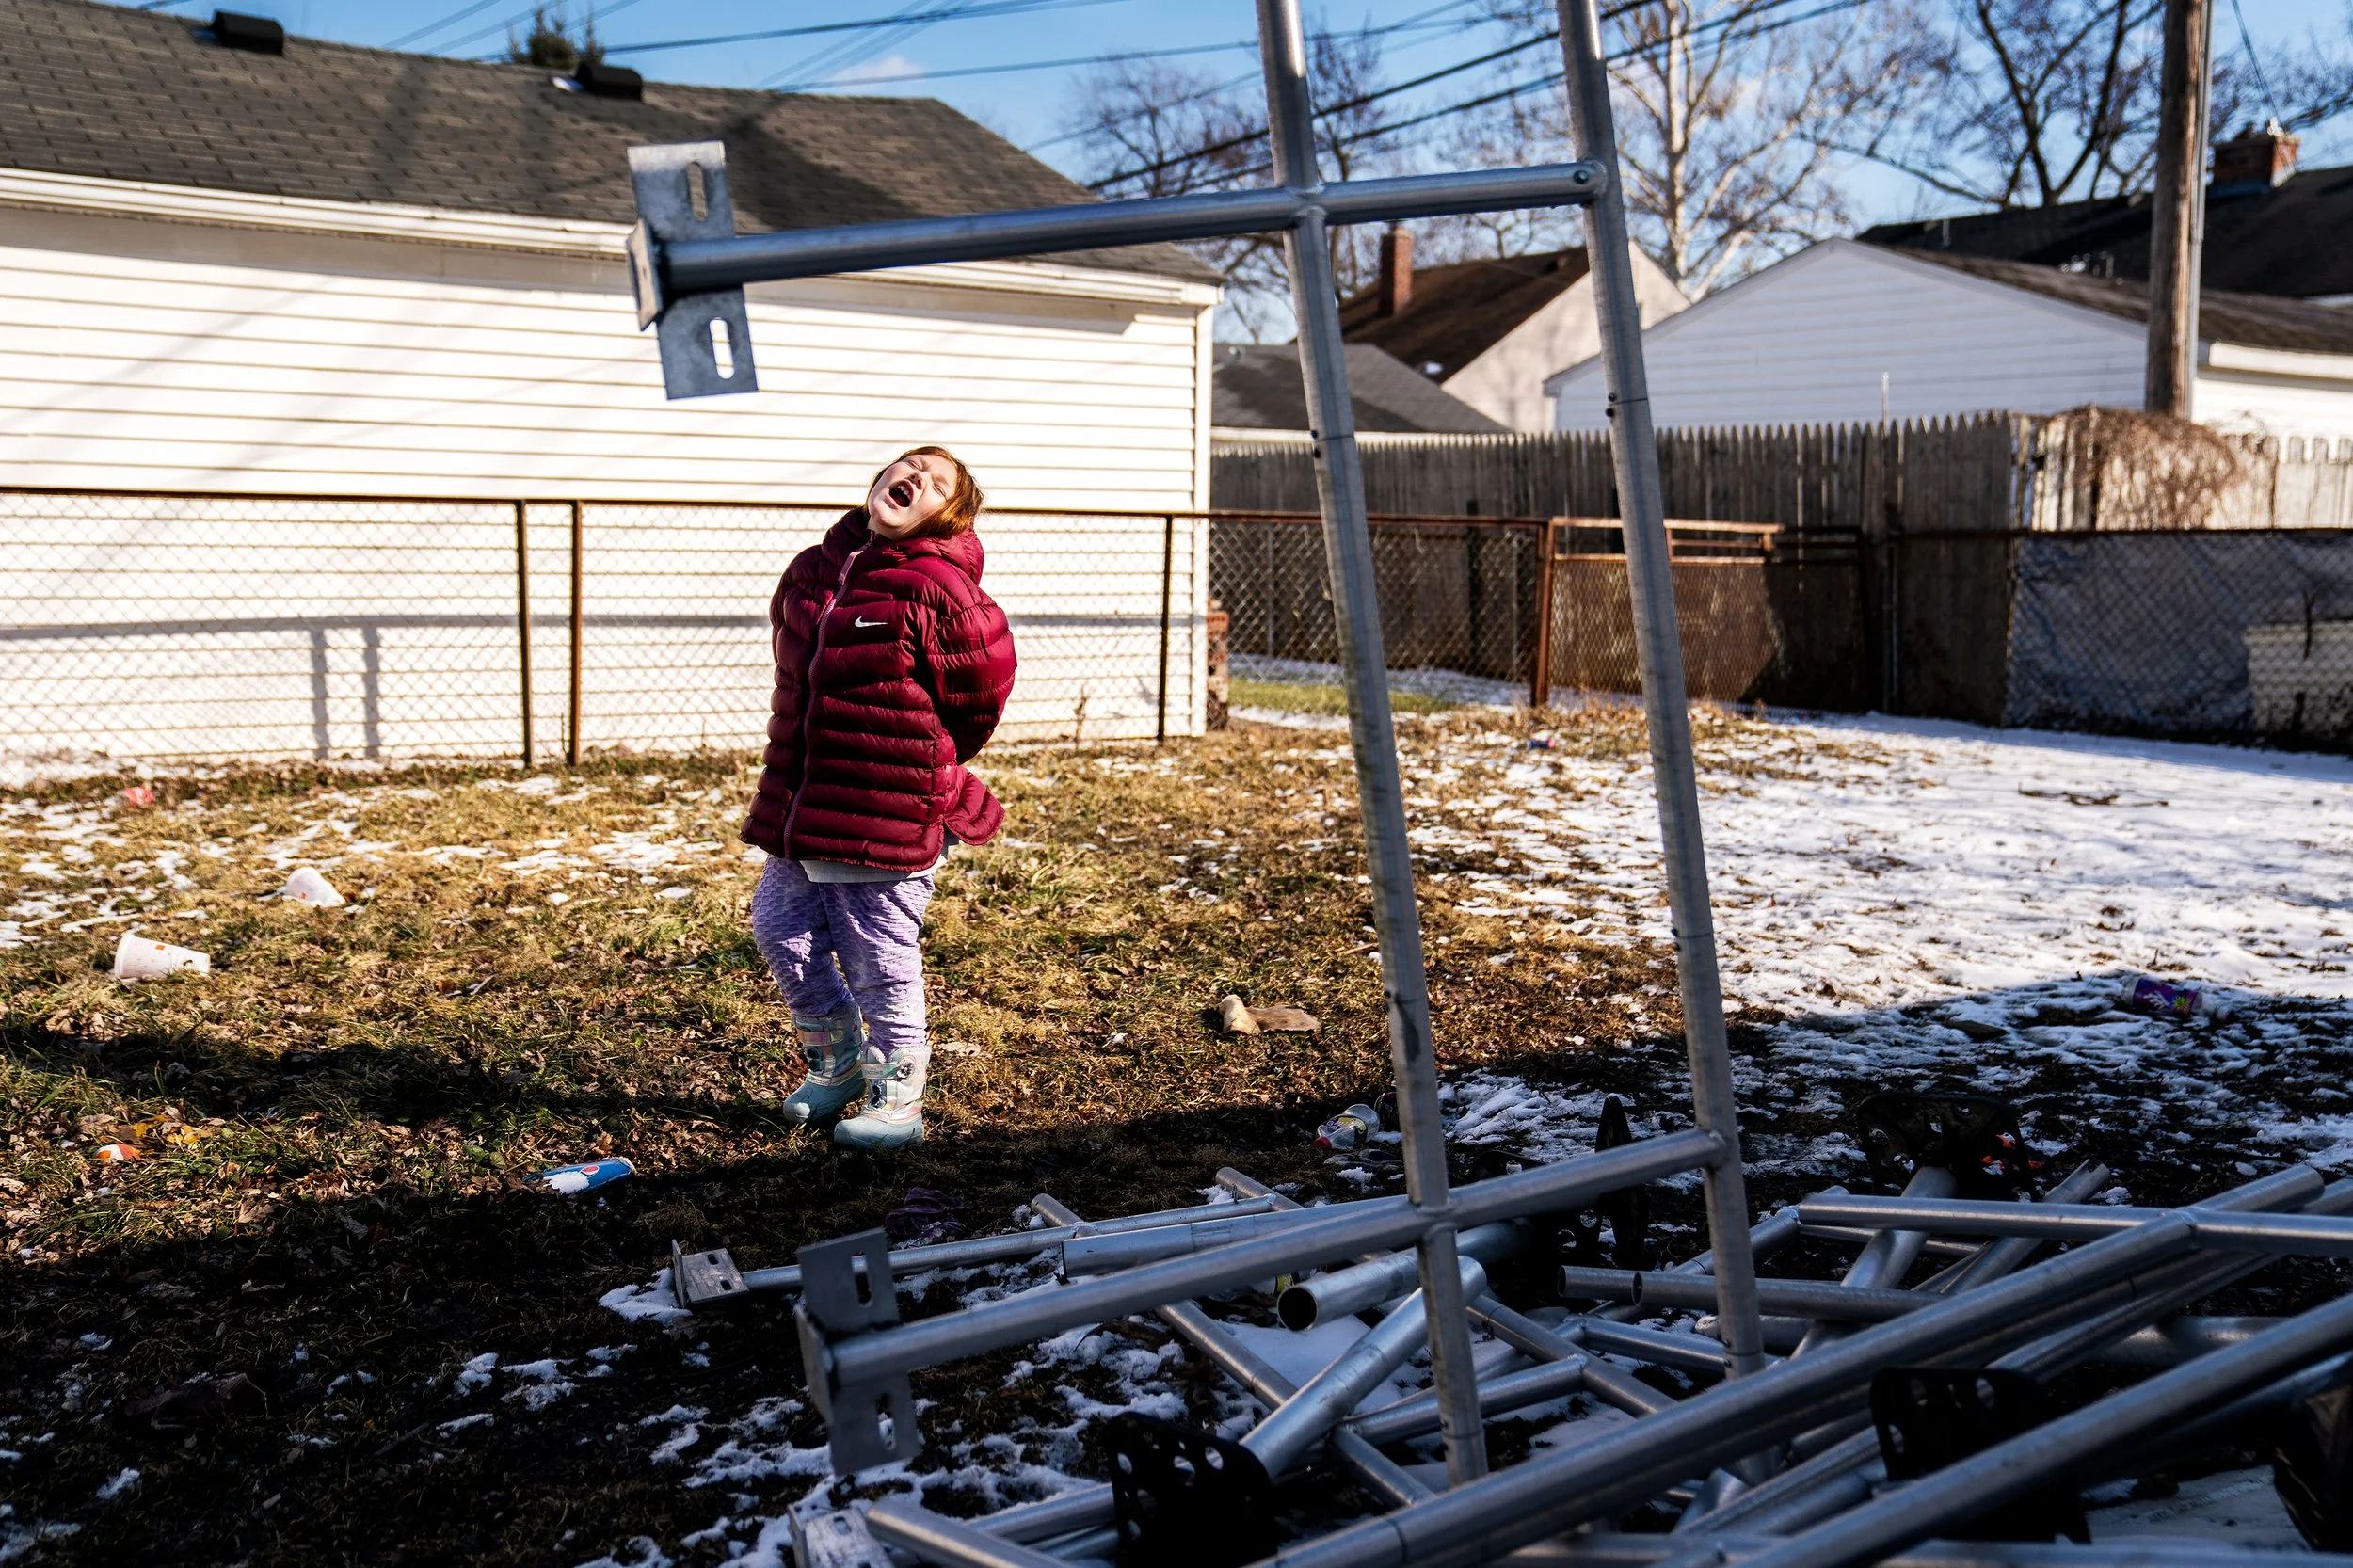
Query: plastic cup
{"type": "Point", "coordinates": [308, 886]}
{"type": "Point", "coordinates": [138, 957]}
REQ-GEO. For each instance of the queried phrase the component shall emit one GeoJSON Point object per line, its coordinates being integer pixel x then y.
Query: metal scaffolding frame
{"type": "Point", "coordinates": [1420, 1257]}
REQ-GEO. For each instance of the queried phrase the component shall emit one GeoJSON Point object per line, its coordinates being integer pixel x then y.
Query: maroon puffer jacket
{"type": "Point", "coordinates": [892, 669]}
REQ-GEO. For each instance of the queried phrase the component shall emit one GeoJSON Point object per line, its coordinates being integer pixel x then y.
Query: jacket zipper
{"type": "Point", "coordinates": [808, 700]}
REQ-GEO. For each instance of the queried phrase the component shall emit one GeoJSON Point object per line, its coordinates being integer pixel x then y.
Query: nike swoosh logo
{"type": "Point", "coordinates": [861, 620]}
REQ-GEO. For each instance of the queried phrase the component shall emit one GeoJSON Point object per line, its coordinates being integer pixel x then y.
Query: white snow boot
{"type": "Point", "coordinates": [893, 1116]}
{"type": "Point", "coordinates": [830, 1045]}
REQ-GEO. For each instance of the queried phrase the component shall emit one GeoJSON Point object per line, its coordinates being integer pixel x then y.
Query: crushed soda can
{"type": "Point", "coordinates": [580, 1179]}
{"type": "Point", "coordinates": [2165, 999]}
{"type": "Point", "coordinates": [1351, 1128]}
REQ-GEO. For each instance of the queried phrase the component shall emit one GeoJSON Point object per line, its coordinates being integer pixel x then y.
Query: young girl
{"type": "Point", "coordinates": [892, 668]}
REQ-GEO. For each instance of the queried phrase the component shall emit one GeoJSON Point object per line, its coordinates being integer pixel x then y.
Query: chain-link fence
{"type": "Point", "coordinates": [1456, 594]}
{"type": "Point", "coordinates": [2228, 635]}
{"type": "Point", "coordinates": [199, 626]}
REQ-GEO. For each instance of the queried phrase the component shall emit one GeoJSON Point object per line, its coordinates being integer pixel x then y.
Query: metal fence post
{"type": "Point", "coordinates": [571, 739]}
{"type": "Point", "coordinates": [523, 616]}
{"type": "Point", "coordinates": [1634, 448]}
{"type": "Point", "coordinates": [1168, 577]}
{"type": "Point", "coordinates": [1540, 678]}
{"type": "Point", "coordinates": [1380, 792]}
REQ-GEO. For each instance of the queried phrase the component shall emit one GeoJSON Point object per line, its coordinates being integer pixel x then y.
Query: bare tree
{"type": "Point", "coordinates": [1736, 118]}
{"type": "Point", "coordinates": [1148, 129]}
{"type": "Point", "coordinates": [2050, 101]}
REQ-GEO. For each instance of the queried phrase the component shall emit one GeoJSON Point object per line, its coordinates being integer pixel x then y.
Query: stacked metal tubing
{"type": "Point", "coordinates": [2136, 1268]}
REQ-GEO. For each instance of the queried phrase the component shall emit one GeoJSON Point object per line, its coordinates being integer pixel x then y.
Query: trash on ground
{"type": "Point", "coordinates": [138, 957]}
{"type": "Point", "coordinates": [308, 886]}
{"type": "Point", "coordinates": [925, 1218]}
{"type": "Point", "coordinates": [2165, 998]}
{"type": "Point", "coordinates": [139, 797]}
{"type": "Point", "coordinates": [1236, 1016]}
{"type": "Point", "coordinates": [1356, 1125]}
{"type": "Point", "coordinates": [1540, 742]}
{"type": "Point", "coordinates": [580, 1179]}
{"type": "Point", "coordinates": [204, 1398]}
{"type": "Point", "coordinates": [116, 1152]}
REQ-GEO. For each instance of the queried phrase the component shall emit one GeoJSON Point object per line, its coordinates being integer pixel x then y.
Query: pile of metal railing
{"type": "Point", "coordinates": [1888, 1419]}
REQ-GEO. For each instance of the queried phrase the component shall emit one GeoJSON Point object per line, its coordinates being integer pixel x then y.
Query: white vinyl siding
{"type": "Point", "coordinates": [129, 370]}
{"type": "Point", "coordinates": [1806, 341]}
{"type": "Point", "coordinates": [1507, 382]}
{"type": "Point", "coordinates": [147, 355]}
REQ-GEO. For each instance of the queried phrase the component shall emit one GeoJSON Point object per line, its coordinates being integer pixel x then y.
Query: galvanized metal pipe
{"type": "Point", "coordinates": [1603, 1380]}
{"type": "Point", "coordinates": [1380, 791]}
{"type": "Point", "coordinates": [696, 266]}
{"type": "Point", "coordinates": [2062, 1448]}
{"type": "Point", "coordinates": [1804, 1298]}
{"type": "Point", "coordinates": [1553, 1492]}
{"type": "Point", "coordinates": [901, 1521]}
{"type": "Point", "coordinates": [1885, 1258]}
{"type": "Point", "coordinates": [1418, 1415]}
{"type": "Point", "coordinates": [1323, 1400]}
{"type": "Point", "coordinates": [1363, 1286]}
{"type": "Point", "coordinates": [1768, 1235]}
{"type": "Point", "coordinates": [1340, 1231]}
{"type": "Point", "coordinates": [1666, 703]}
{"type": "Point", "coordinates": [1085, 1255]}
{"type": "Point", "coordinates": [1014, 1246]}
{"type": "Point", "coordinates": [1612, 1550]}
{"type": "Point", "coordinates": [2325, 1235]}
{"type": "Point", "coordinates": [1999, 1256]}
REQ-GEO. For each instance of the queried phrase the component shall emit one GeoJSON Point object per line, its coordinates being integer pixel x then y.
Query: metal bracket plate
{"type": "Point", "coordinates": [700, 1279]}
{"type": "Point", "coordinates": [837, 1300]}
{"type": "Point", "coordinates": [837, 1540]}
{"type": "Point", "coordinates": [705, 339]}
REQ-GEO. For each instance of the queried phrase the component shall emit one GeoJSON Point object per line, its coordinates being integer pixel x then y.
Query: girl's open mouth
{"type": "Point", "coordinates": [902, 493]}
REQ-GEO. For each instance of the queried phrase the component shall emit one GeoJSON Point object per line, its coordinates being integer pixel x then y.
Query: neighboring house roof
{"type": "Point", "coordinates": [1458, 312]}
{"type": "Point", "coordinates": [2250, 320]}
{"type": "Point", "coordinates": [1259, 386]}
{"type": "Point", "coordinates": [107, 93]}
{"type": "Point", "coordinates": [2294, 240]}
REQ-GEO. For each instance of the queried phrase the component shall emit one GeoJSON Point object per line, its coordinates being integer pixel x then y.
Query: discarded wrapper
{"type": "Point", "coordinates": [137, 797]}
{"type": "Point", "coordinates": [2171, 999]}
{"type": "Point", "coordinates": [580, 1179]}
{"type": "Point", "coordinates": [1235, 1017]}
{"type": "Point", "coordinates": [138, 957]}
{"type": "Point", "coordinates": [308, 886]}
{"type": "Point", "coordinates": [1349, 1128]}
{"type": "Point", "coordinates": [118, 1151]}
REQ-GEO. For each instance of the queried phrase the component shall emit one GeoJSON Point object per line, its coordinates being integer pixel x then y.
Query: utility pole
{"type": "Point", "coordinates": [2177, 223]}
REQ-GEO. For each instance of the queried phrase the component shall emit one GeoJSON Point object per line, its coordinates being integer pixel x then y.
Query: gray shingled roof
{"type": "Point", "coordinates": [116, 94]}
{"type": "Point", "coordinates": [2295, 240]}
{"type": "Point", "coordinates": [2251, 320]}
{"type": "Point", "coordinates": [1259, 386]}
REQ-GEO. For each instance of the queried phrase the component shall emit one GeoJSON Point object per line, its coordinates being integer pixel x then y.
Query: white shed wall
{"type": "Point", "coordinates": [2274, 405]}
{"type": "Point", "coordinates": [1807, 341]}
{"type": "Point", "coordinates": [142, 354]}
{"type": "Point", "coordinates": [235, 361]}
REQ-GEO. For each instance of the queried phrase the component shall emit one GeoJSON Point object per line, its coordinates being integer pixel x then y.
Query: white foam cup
{"type": "Point", "coordinates": [308, 886]}
{"type": "Point", "coordinates": [138, 957]}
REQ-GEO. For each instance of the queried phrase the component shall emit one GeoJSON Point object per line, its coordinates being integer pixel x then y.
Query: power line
{"type": "Point", "coordinates": [450, 21]}
{"type": "Point", "coordinates": [1359, 102]}
{"type": "Point", "coordinates": [508, 26]}
{"type": "Point", "coordinates": [1026, 65]}
{"type": "Point", "coordinates": [997, 7]}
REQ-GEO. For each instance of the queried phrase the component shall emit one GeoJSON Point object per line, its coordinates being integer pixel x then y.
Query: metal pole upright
{"type": "Point", "coordinates": [1379, 795]}
{"type": "Point", "coordinates": [1642, 505]}
{"type": "Point", "coordinates": [522, 618]}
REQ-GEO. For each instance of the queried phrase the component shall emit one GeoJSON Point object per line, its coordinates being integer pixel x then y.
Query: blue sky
{"type": "Point", "coordinates": [1032, 107]}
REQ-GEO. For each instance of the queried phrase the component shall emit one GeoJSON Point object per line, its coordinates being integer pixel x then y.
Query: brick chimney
{"type": "Point", "coordinates": [1397, 269]}
{"type": "Point", "coordinates": [2254, 160]}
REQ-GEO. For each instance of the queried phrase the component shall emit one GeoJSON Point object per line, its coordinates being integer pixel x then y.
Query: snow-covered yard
{"type": "Point", "coordinates": [1898, 905]}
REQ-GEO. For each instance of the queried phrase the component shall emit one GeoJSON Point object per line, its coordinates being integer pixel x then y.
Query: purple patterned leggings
{"type": "Point", "coordinates": [832, 943]}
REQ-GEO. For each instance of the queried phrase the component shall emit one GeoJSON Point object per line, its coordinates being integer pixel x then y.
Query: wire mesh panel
{"type": "Point", "coordinates": [222, 626]}
{"type": "Point", "coordinates": [1725, 610]}
{"type": "Point", "coordinates": [1455, 594]}
{"type": "Point", "coordinates": [2236, 633]}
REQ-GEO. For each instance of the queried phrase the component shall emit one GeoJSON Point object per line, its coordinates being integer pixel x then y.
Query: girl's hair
{"type": "Point", "coordinates": [959, 512]}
